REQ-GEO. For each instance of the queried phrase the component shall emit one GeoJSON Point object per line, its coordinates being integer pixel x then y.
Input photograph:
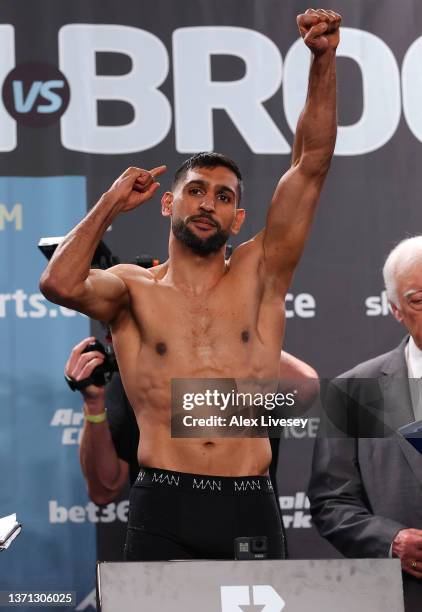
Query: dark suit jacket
{"type": "Point", "coordinates": [364, 490]}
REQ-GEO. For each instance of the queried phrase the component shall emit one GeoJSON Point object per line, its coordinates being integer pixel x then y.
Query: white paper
{"type": "Point", "coordinates": [7, 525]}
{"type": "Point", "coordinates": [8, 542]}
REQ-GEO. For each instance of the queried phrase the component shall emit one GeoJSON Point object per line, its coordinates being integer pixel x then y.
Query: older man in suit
{"type": "Point", "coordinates": [366, 492]}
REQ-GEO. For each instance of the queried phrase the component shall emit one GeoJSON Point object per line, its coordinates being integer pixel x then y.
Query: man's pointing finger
{"type": "Point", "coordinates": [157, 171]}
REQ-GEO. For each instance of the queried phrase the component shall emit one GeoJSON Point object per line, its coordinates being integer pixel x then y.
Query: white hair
{"type": "Point", "coordinates": [401, 259]}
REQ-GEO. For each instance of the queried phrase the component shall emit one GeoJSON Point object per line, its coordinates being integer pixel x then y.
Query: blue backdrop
{"type": "Point", "coordinates": [40, 473]}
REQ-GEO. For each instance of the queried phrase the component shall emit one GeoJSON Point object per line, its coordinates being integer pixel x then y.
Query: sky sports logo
{"type": "Point", "coordinates": [33, 305]}
{"type": "Point", "coordinates": [377, 305]}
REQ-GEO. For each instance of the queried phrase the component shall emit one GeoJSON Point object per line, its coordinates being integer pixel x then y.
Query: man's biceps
{"type": "Point", "coordinates": [278, 258]}
{"type": "Point", "coordinates": [103, 276]}
{"type": "Point", "coordinates": [104, 281]}
{"type": "Point", "coordinates": [298, 180]}
{"type": "Point", "coordinates": [309, 186]}
{"type": "Point", "coordinates": [292, 182]}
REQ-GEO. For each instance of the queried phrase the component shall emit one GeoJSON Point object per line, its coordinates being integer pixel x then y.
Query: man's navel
{"type": "Point", "coordinates": [245, 335]}
{"type": "Point", "coordinates": [161, 348]}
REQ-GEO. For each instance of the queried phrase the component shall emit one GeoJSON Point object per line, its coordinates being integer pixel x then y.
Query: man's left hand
{"type": "Point", "coordinates": [407, 545]}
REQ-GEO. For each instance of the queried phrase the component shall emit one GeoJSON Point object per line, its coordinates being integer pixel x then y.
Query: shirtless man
{"type": "Point", "coordinates": [110, 436]}
{"type": "Point", "coordinates": [196, 316]}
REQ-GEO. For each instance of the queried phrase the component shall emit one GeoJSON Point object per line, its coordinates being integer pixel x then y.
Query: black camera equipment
{"type": "Point", "coordinates": [103, 258]}
{"type": "Point", "coordinates": [252, 547]}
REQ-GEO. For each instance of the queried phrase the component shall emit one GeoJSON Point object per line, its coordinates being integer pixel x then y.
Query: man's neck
{"type": "Point", "coordinates": [194, 273]}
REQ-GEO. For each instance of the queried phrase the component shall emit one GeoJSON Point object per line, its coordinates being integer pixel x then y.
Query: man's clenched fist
{"type": "Point", "coordinates": [135, 186]}
{"type": "Point", "coordinates": [320, 29]}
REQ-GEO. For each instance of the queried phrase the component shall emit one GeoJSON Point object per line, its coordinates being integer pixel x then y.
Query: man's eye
{"type": "Point", "coordinates": [416, 297]}
{"type": "Point", "coordinates": [223, 197]}
{"type": "Point", "coordinates": [416, 301]}
{"type": "Point", "coordinates": [195, 191]}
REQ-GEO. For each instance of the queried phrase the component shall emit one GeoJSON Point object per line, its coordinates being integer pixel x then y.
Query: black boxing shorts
{"type": "Point", "coordinates": [174, 515]}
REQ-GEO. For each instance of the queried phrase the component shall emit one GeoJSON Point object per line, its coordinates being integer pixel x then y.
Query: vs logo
{"type": "Point", "coordinates": [36, 94]}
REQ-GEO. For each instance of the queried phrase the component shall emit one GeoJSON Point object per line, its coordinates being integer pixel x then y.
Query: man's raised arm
{"type": "Point", "coordinates": [68, 279]}
{"type": "Point", "coordinates": [292, 207]}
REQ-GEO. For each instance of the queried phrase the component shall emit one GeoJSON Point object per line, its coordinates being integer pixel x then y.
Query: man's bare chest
{"type": "Point", "coordinates": [171, 334]}
{"type": "Point", "coordinates": [212, 322]}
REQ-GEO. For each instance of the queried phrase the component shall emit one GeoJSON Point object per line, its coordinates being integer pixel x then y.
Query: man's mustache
{"type": "Point", "coordinates": [204, 216]}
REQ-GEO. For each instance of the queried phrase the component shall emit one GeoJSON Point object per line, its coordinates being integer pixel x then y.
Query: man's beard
{"type": "Point", "coordinates": [199, 246]}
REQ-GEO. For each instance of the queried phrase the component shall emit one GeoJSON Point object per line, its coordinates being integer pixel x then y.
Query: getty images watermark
{"type": "Point", "coordinates": [344, 407]}
{"type": "Point", "coordinates": [236, 408]}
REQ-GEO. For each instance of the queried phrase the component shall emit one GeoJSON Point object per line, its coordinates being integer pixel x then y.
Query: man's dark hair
{"type": "Point", "coordinates": [209, 160]}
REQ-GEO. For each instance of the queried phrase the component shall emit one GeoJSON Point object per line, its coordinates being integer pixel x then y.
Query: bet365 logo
{"type": "Point", "coordinates": [36, 94]}
{"type": "Point", "coordinates": [233, 598]}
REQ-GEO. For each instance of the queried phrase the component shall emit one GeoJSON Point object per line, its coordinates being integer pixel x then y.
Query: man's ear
{"type": "Point", "coordinates": [167, 204]}
{"type": "Point", "coordinates": [396, 312]}
{"type": "Point", "coordinates": [238, 221]}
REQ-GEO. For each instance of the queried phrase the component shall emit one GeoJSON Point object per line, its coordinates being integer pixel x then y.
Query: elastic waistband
{"type": "Point", "coordinates": [199, 483]}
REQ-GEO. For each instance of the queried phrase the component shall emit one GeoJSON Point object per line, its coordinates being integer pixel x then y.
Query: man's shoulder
{"type": "Point", "coordinates": [373, 367]}
{"type": "Point", "coordinates": [134, 272]}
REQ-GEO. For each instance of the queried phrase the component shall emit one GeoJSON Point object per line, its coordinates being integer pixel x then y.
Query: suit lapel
{"type": "Point", "coordinates": [395, 387]}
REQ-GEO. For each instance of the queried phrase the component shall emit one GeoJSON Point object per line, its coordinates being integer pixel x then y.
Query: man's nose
{"type": "Point", "coordinates": [207, 204]}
